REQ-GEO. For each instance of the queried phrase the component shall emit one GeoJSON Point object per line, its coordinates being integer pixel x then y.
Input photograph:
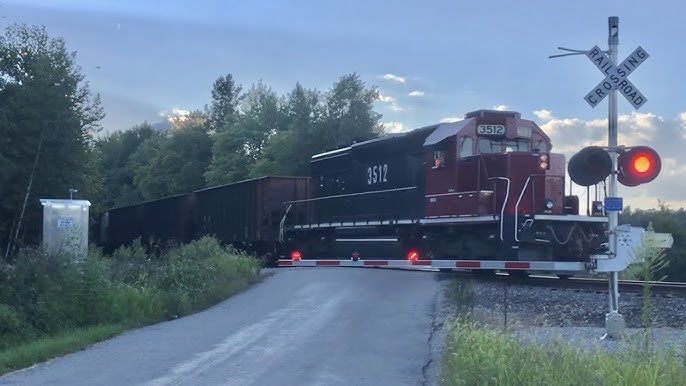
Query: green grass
{"type": "Point", "coordinates": [40, 350]}
{"type": "Point", "coordinates": [478, 355]}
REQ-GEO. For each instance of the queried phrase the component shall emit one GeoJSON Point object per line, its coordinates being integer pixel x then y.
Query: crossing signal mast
{"type": "Point", "coordinates": [629, 166]}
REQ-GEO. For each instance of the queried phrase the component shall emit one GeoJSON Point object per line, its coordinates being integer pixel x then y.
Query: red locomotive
{"type": "Point", "coordinates": [484, 188]}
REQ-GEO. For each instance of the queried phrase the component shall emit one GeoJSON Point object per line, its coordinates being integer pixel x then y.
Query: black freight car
{"type": "Point", "coordinates": [247, 214]}
{"type": "Point", "coordinates": [120, 226]}
{"type": "Point", "coordinates": [169, 218]}
{"type": "Point", "coordinates": [165, 219]}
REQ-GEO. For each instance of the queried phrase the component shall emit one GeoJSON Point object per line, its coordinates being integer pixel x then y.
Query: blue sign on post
{"type": "Point", "coordinates": [613, 204]}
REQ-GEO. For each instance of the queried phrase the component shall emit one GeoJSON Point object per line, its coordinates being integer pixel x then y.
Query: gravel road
{"type": "Point", "coordinates": [300, 326]}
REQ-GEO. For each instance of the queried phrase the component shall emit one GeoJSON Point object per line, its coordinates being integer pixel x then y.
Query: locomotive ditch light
{"type": "Point", "coordinates": [548, 204]}
{"type": "Point", "coordinates": [637, 165]}
{"type": "Point", "coordinates": [597, 208]}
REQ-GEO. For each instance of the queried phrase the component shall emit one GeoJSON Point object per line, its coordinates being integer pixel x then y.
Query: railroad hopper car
{"type": "Point", "coordinates": [165, 219]}
{"type": "Point", "coordinates": [245, 214]}
{"type": "Point", "coordinates": [487, 188]}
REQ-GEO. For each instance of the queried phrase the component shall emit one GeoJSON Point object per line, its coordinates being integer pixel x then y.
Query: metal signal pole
{"type": "Point", "coordinates": [614, 321]}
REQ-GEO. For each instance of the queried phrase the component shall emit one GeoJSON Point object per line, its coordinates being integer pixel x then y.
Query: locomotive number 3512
{"type": "Point", "coordinates": [377, 174]}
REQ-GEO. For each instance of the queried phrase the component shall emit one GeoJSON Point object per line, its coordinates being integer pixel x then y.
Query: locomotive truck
{"type": "Point", "coordinates": [484, 188]}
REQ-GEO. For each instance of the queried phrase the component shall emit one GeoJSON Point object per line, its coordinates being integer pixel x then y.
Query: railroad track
{"type": "Point", "coordinates": [599, 284]}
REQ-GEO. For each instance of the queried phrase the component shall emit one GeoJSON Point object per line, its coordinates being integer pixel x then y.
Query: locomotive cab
{"type": "Point", "coordinates": [494, 166]}
{"type": "Point", "coordinates": [470, 163]}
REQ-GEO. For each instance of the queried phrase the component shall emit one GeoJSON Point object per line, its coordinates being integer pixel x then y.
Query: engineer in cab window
{"type": "Point", "coordinates": [439, 159]}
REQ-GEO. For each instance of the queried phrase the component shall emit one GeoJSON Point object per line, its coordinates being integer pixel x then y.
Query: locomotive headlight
{"type": "Point", "coordinates": [543, 158]}
{"type": "Point", "coordinates": [548, 203]}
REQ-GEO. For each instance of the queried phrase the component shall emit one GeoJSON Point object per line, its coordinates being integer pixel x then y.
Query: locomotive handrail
{"type": "Point", "coordinates": [516, 230]}
{"type": "Point", "coordinates": [502, 210]}
{"type": "Point", "coordinates": [283, 222]}
{"type": "Point", "coordinates": [350, 195]}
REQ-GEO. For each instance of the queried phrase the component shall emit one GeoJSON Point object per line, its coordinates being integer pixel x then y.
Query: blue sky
{"type": "Point", "coordinates": [155, 56]}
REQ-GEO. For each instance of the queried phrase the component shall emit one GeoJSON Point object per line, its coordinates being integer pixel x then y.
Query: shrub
{"type": "Point", "coordinates": [46, 294]}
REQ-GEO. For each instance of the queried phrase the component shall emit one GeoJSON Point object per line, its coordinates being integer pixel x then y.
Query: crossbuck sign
{"type": "Point", "coordinates": [616, 77]}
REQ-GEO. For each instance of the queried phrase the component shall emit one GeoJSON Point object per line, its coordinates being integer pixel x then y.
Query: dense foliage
{"type": "Point", "coordinates": [46, 294]}
{"type": "Point", "coordinates": [48, 118]}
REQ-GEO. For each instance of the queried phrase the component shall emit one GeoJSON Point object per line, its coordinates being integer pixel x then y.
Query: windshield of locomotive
{"type": "Point", "coordinates": [488, 145]}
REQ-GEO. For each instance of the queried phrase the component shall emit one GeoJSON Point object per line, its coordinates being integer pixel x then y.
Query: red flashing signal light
{"type": "Point", "coordinates": [642, 164]}
{"type": "Point", "coordinates": [413, 256]}
{"type": "Point", "coordinates": [638, 165]}
{"type": "Point", "coordinates": [295, 255]}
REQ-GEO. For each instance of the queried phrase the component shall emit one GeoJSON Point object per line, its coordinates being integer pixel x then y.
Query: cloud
{"type": "Point", "coordinates": [543, 114]}
{"type": "Point", "coordinates": [394, 127]}
{"type": "Point", "coordinates": [394, 78]}
{"type": "Point", "coordinates": [500, 107]}
{"type": "Point", "coordinates": [176, 116]}
{"type": "Point", "coordinates": [395, 107]}
{"type": "Point", "coordinates": [416, 93]}
{"type": "Point", "coordinates": [452, 119]}
{"type": "Point", "coordinates": [386, 98]}
{"type": "Point", "coordinates": [174, 112]}
{"type": "Point", "coordinates": [665, 135]}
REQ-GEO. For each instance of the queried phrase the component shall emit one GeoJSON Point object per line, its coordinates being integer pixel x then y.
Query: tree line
{"type": "Point", "coordinates": [51, 138]}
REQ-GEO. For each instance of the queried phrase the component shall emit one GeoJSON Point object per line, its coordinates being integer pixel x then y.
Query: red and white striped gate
{"type": "Point", "coordinates": [450, 264]}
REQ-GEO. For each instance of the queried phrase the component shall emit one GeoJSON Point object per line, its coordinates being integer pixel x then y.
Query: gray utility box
{"type": "Point", "coordinates": [65, 226]}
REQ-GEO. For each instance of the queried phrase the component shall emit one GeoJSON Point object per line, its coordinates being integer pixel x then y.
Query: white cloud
{"type": "Point", "coordinates": [682, 119]}
{"type": "Point", "coordinates": [543, 114]}
{"type": "Point", "coordinates": [570, 134]}
{"type": "Point", "coordinates": [673, 167]}
{"type": "Point", "coordinates": [394, 127]}
{"type": "Point", "coordinates": [394, 78]}
{"type": "Point", "coordinates": [386, 98]}
{"type": "Point", "coordinates": [500, 107]}
{"type": "Point", "coordinates": [452, 119]}
{"type": "Point", "coordinates": [395, 107]}
{"type": "Point", "coordinates": [175, 112]}
{"type": "Point", "coordinates": [176, 116]}
{"type": "Point", "coordinates": [666, 136]}
{"type": "Point", "coordinates": [416, 93]}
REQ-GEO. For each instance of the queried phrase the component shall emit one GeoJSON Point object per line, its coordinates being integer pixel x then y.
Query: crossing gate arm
{"type": "Point", "coordinates": [559, 266]}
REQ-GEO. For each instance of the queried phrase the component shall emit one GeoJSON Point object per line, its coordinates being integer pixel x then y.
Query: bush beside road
{"type": "Point", "coordinates": [50, 305]}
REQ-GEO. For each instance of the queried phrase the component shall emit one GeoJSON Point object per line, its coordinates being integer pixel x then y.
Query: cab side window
{"type": "Point", "coordinates": [466, 147]}
{"type": "Point", "coordinates": [439, 159]}
{"type": "Point", "coordinates": [541, 146]}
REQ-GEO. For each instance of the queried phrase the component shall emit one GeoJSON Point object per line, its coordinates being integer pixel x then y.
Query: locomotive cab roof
{"type": "Point", "coordinates": [487, 124]}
